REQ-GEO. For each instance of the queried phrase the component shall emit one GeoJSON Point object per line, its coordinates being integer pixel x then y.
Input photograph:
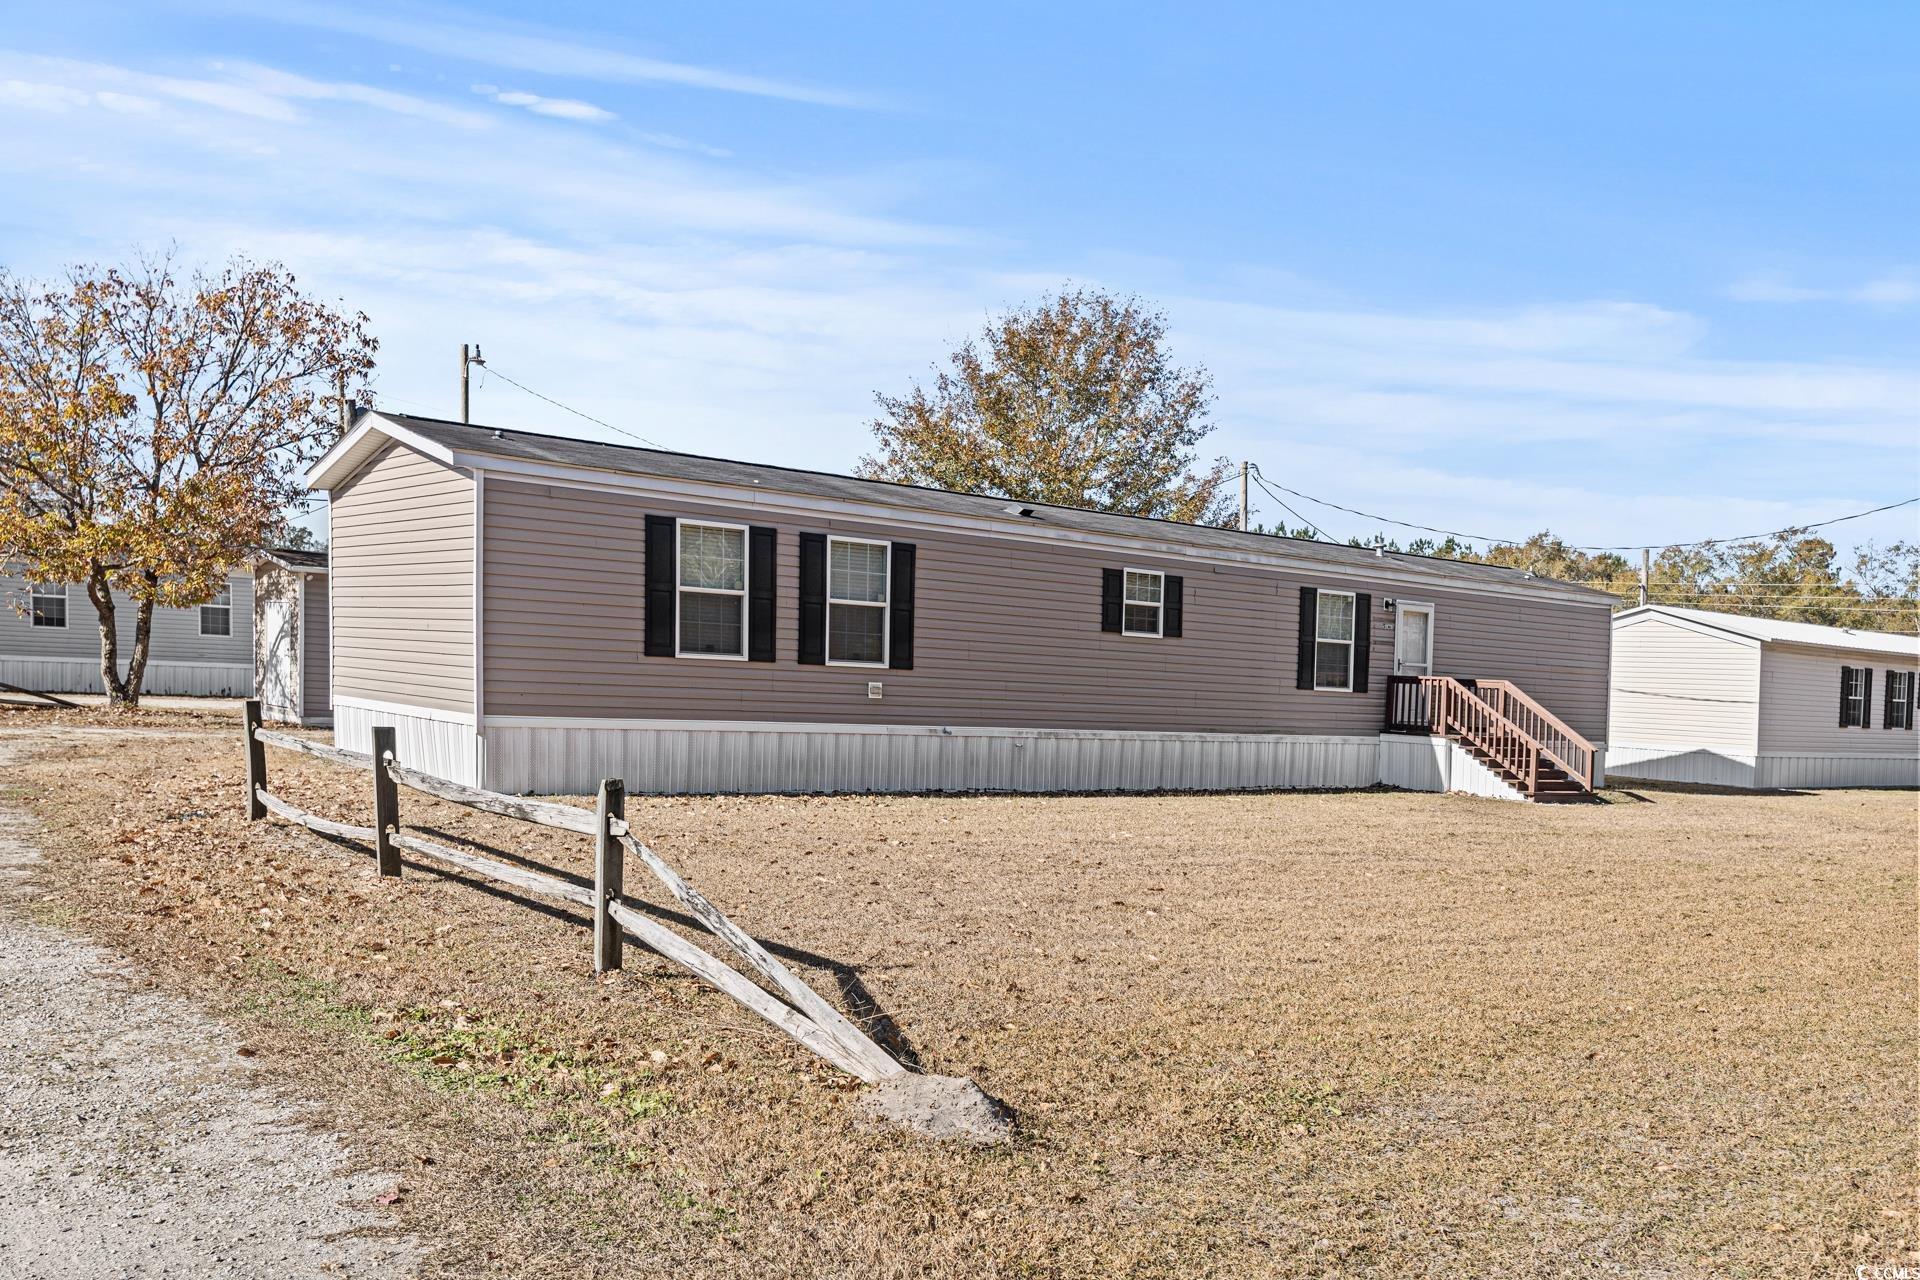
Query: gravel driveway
{"type": "Point", "coordinates": [135, 1140]}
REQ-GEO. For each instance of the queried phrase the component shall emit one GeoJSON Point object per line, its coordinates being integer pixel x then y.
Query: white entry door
{"type": "Point", "coordinates": [279, 656]}
{"type": "Point", "coordinates": [1413, 640]}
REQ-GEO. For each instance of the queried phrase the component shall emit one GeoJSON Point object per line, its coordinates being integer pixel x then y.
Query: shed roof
{"type": "Point", "coordinates": [532, 447]}
{"type": "Point", "coordinates": [295, 558]}
{"type": "Point", "coordinates": [1779, 631]}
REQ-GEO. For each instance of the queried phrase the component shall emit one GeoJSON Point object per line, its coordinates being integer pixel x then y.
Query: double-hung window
{"type": "Point", "coordinates": [1333, 641]}
{"type": "Point", "coordinates": [1855, 683]}
{"type": "Point", "coordinates": [1899, 700]}
{"type": "Point", "coordinates": [1143, 607]}
{"type": "Point", "coordinates": [48, 603]}
{"type": "Point", "coordinates": [216, 615]}
{"type": "Point", "coordinates": [857, 601]}
{"type": "Point", "coordinates": [713, 590]}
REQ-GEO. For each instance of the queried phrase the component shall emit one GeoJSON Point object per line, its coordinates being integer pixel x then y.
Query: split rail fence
{"type": "Point", "coordinates": [803, 1014]}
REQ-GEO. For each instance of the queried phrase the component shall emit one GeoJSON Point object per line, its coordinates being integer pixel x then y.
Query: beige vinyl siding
{"type": "Point", "coordinates": [315, 699]}
{"type": "Point", "coordinates": [1679, 686]}
{"type": "Point", "coordinates": [1800, 704]}
{"type": "Point", "coordinates": [402, 567]}
{"type": "Point", "coordinates": [175, 636]}
{"type": "Point", "coordinates": [1007, 634]}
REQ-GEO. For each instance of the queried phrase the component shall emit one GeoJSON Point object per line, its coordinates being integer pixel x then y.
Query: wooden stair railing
{"type": "Point", "coordinates": [1496, 717]}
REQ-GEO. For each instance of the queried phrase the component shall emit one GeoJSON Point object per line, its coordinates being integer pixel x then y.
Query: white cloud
{"type": "Point", "coordinates": [462, 36]}
{"type": "Point", "coordinates": [559, 108]}
{"type": "Point", "coordinates": [1898, 289]}
{"type": "Point", "coordinates": [754, 313]}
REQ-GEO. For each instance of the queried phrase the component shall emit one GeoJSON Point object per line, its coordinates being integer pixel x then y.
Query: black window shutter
{"type": "Point", "coordinates": [900, 570]}
{"type": "Point", "coordinates": [1174, 606]}
{"type": "Point", "coordinates": [660, 586]}
{"type": "Point", "coordinates": [1887, 716]}
{"type": "Point", "coordinates": [1112, 584]}
{"type": "Point", "coordinates": [1846, 684]}
{"type": "Point", "coordinates": [763, 549]}
{"type": "Point", "coordinates": [1309, 632]}
{"type": "Point", "coordinates": [1866, 698]}
{"type": "Point", "coordinates": [1362, 639]}
{"type": "Point", "coordinates": [1912, 680]}
{"type": "Point", "coordinates": [813, 598]}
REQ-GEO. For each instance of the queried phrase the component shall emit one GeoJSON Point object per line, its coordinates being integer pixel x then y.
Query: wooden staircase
{"type": "Point", "coordinates": [1518, 740]}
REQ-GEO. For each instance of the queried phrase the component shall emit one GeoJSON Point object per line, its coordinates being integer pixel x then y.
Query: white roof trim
{"type": "Point", "coordinates": [1768, 631]}
{"type": "Point", "coordinates": [345, 458]}
{"type": "Point", "coordinates": [338, 463]}
{"type": "Point", "coordinates": [1653, 613]}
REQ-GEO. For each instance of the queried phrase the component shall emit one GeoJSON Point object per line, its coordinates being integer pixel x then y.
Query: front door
{"type": "Point", "coordinates": [1413, 640]}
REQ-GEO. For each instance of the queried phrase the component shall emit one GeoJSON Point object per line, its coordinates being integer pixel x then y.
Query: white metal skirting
{"type": "Point", "coordinates": [172, 679]}
{"type": "Point", "coordinates": [683, 759]}
{"type": "Point", "coordinates": [1765, 772]}
{"type": "Point", "coordinates": [1414, 762]}
{"type": "Point", "coordinates": [431, 741]}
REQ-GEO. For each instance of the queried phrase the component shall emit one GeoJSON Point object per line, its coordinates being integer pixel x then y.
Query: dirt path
{"type": "Point", "coordinates": [134, 1141]}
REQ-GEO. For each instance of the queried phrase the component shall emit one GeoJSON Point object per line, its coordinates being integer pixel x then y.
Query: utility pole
{"type": "Point", "coordinates": [1646, 573]}
{"type": "Point", "coordinates": [1243, 497]}
{"type": "Point", "coordinates": [466, 365]}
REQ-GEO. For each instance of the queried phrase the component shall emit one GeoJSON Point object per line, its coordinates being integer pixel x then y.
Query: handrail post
{"type": "Point", "coordinates": [609, 872]}
{"type": "Point", "coordinates": [256, 763]}
{"type": "Point", "coordinates": [386, 803]}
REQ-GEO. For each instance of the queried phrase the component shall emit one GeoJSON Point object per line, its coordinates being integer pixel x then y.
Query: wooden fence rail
{"type": "Point", "coordinates": [799, 1011]}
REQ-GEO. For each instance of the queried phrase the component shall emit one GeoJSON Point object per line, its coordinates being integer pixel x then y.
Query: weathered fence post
{"type": "Point", "coordinates": [256, 764]}
{"type": "Point", "coordinates": [609, 871]}
{"type": "Point", "coordinates": [386, 803]}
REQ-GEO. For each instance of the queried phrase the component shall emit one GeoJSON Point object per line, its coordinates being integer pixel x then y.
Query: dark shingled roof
{"type": "Point", "coordinates": [570, 452]}
{"type": "Point", "coordinates": [299, 559]}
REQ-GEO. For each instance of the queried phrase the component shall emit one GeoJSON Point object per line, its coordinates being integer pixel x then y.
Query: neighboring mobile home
{"type": "Point", "coordinates": [535, 613]}
{"type": "Point", "coordinates": [50, 640]}
{"type": "Point", "coordinates": [1753, 702]}
{"type": "Point", "coordinates": [290, 621]}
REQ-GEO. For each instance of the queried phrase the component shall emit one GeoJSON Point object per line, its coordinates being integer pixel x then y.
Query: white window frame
{"type": "Point", "coordinates": [680, 589]}
{"type": "Point", "coordinates": [1857, 690]}
{"type": "Point", "coordinates": [226, 591]}
{"type": "Point", "coordinates": [885, 606]}
{"type": "Point", "coordinates": [1351, 641]}
{"type": "Point", "coordinates": [1904, 702]}
{"type": "Point", "coordinates": [52, 591]}
{"type": "Point", "coordinates": [1159, 607]}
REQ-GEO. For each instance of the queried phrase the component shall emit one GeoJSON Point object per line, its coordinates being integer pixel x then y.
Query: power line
{"type": "Point", "coordinates": [1253, 469]}
{"type": "Point", "coordinates": [1656, 546]}
{"type": "Point", "coordinates": [631, 435]}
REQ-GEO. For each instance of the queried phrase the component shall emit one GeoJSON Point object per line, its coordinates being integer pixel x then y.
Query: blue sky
{"type": "Point", "coordinates": [1642, 273]}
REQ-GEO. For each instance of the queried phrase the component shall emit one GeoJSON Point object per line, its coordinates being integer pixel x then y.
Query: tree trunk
{"type": "Point", "coordinates": [101, 594]}
{"type": "Point", "coordinates": [142, 635]}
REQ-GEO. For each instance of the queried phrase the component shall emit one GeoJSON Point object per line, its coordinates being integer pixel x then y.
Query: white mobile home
{"type": "Point", "coordinates": [1753, 702]}
{"type": "Point", "coordinates": [50, 640]}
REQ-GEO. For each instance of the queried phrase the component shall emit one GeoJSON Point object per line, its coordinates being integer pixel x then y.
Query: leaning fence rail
{"type": "Point", "coordinates": [798, 1010]}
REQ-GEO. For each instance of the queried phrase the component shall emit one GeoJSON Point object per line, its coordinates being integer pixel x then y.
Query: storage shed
{"type": "Point", "coordinates": [533, 613]}
{"type": "Point", "coordinates": [1754, 702]}
{"type": "Point", "coordinates": [291, 652]}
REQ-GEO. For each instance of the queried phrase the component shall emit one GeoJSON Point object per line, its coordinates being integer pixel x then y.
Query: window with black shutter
{"type": "Point", "coordinates": [1898, 713]}
{"type": "Point", "coordinates": [1856, 688]}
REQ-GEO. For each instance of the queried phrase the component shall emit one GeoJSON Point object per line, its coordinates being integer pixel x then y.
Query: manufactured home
{"type": "Point", "coordinates": [533, 613]}
{"type": "Point", "coordinates": [1753, 702]}
{"type": "Point", "coordinates": [291, 643]}
{"type": "Point", "coordinates": [50, 640]}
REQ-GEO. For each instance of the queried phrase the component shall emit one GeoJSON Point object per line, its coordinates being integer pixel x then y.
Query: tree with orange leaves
{"type": "Point", "coordinates": [152, 430]}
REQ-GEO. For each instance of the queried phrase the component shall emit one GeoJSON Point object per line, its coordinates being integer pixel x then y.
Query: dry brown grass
{"type": "Point", "coordinates": [1342, 1034]}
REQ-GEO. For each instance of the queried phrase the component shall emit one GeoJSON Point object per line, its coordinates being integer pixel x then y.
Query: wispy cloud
{"type": "Point", "coordinates": [558, 108]}
{"type": "Point", "coordinates": [1897, 289]}
{"type": "Point", "coordinates": [462, 36]}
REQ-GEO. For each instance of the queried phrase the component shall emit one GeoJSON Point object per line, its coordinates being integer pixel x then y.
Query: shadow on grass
{"type": "Point", "coordinates": [861, 1006]}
